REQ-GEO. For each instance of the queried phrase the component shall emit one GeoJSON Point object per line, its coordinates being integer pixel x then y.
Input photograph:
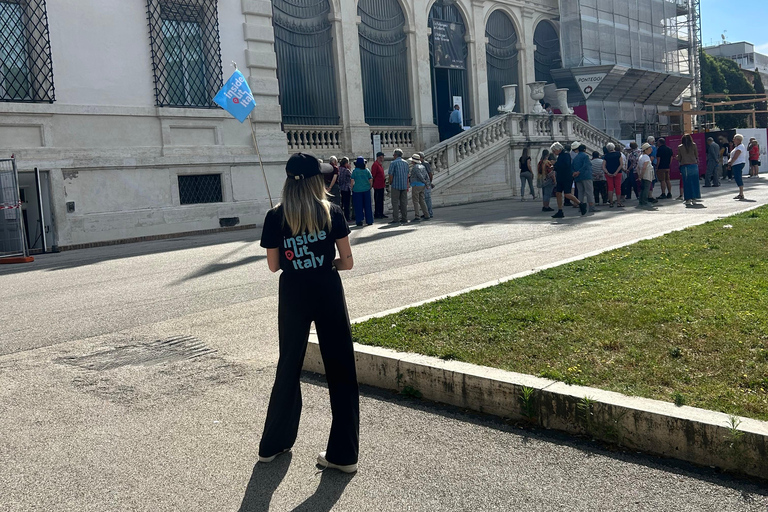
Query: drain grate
{"type": "Point", "coordinates": [169, 350]}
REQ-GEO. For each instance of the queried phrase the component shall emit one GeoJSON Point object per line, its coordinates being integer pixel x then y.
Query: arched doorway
{"type": "Point", "coordinates": [383, 62]}
{"type": "Point", "coordinates": [448, 58]}
{"type": "Point", "coordinates": [547, 54]}
{"type": "Point", "coordinates": [501, 56]}
{"type": "Point", "coordinates": [305, 64]}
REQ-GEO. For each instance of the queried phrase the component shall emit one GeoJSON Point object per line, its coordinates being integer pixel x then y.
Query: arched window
{"type": "Point", "coordinates": [305, 66]}
{"type": "Point", "coordinates": [448, 57]}
{"type": "Point", "coordinates": [547, 54]}
{"type": "Point", "coordinates": [384, 63]}
{"type": "Point", "coordinates": [501, 57]}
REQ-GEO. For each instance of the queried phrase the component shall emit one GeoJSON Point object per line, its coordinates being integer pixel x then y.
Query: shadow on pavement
{"type": "Point", "coordinates": [465, 216]}
{"type": "Point", "coordinates": [746, 485]}
{"type": "Point", "coordinates": [265, 479]}
{"type": "Point", "coordinates": [329, 490]}
{"type": "Point", "coordinates": [379, 235]}
{"type": "Point", "coordinates": [213, 268]}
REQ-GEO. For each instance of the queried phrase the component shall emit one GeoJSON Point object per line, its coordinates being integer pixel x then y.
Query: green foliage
{"type": "Point", "coordinates": [762, 119]}
{"type": "Point", "coordinates": [723, 76]}
{"type": "Point", "coordinates": [683, 317]}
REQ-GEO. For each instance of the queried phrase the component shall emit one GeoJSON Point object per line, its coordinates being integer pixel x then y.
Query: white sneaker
{"type": "Point", "coordinates": [270, 459]}
{"type": "Point", "coordinates": [321, 460]}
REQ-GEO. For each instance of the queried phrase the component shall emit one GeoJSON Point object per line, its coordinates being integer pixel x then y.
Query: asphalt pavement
{"type": "Point", "coordinates": [103, 407]}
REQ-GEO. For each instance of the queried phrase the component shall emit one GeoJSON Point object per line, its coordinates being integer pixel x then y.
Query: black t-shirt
{"type": "Point", "coordinates": [307, 252]}
{"type": "Point", "coordinates": [563, 167]}
{"type": "Point", "coordinates": [612, 161]}
{"type": "Point", "coordinates": [664, 154]}
{"type": "Point", "coordinates": [329, 176]}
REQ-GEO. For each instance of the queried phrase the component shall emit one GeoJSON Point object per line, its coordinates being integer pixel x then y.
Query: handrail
{"type": "Point", "coordinates": [514, 128]}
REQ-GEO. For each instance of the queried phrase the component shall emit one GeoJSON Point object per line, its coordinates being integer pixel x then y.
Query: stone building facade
{"type": "Point", "coordinates": [110, 100]}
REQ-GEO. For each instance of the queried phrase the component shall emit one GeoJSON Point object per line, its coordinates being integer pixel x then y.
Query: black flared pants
{"type": "Point", "coordinates": [304, 298]}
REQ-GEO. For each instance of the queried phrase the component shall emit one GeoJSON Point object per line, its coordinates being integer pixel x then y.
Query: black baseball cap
{"type": "Point", "coordinates": [304, 165]}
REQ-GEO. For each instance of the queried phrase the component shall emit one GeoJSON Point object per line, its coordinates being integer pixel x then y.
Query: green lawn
{"type": "Point", "coordinates": [681, 318]}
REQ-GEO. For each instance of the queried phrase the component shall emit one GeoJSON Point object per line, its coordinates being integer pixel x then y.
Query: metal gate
{"type": "Point", "coordinates": [12, 242]}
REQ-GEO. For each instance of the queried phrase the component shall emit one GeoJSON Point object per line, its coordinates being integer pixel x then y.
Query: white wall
{"type": "Point", "coordinates": [100, 51]}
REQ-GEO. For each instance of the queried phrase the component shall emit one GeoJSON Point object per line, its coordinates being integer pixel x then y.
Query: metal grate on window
{"type": "Point", "coordinates": [186, 52]}
{"type": "Point", "coordinates": [26, 67]}
{"type": "Point", "coordinates": [200, 188]}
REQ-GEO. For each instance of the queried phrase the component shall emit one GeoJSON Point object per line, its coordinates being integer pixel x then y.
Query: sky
{"type": "Point", "coordinates": [743, 20]}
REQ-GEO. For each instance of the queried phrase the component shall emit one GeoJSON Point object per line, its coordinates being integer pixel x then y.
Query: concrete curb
{"type": "Point", "coordinates": [651, 426]}
{"type": "Point", "coordinates": [687, 433]}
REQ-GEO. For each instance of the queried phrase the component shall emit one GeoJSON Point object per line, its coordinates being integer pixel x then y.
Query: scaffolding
{"type": "Point", "coordinates": [685, 28]}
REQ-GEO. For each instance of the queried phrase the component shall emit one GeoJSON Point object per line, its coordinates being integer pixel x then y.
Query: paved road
{"type": "Point", "coordinates": [89, 423]}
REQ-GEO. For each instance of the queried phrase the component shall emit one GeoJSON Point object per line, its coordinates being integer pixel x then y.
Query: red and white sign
{"type": "Point", "coordinates": [588, 83]}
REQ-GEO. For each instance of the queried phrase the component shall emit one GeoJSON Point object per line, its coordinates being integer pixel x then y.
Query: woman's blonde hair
{"type": "Point", "coordinates": [305, 205]}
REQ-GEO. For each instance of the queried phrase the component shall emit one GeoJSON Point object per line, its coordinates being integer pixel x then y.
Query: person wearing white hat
{"type": "Point", "coordinates": [645, 174]}
{"type": "Point", "coordinates": [418, 178]}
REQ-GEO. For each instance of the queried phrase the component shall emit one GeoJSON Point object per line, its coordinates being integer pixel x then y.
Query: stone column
{"type": "Point", "coordinates": [527, 64]}
{"type": "Point", "coordinates": [357, 134]}
{"type": "Point", "coordinates": [478, 71]}
{"type": "Point", "coordinates": [427, 134]}
{"type": "Point", "coordinates": [261, 71]}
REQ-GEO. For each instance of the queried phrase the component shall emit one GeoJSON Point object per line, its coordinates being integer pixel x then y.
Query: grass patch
{"type": "Point", "coordinates": [681, 318]}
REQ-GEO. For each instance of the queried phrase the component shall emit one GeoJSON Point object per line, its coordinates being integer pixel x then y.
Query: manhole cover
{"type": "Point", "coordinates": [167, 350]}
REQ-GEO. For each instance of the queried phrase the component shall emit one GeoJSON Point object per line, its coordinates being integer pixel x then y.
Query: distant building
{"type": "Point", "coordinates": [627, 64]}
{"type": "Point", "coordinates": [743, 54]}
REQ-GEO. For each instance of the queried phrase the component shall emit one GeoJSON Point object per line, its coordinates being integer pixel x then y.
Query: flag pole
{"type": "Point", "coordinates": [256, 145]}
{"type": "Point", "coordinates": [258, 153]}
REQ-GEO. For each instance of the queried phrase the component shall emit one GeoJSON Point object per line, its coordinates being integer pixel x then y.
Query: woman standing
{"type": "Point", "coordinates": [688, 156]}
{"type": "Point", "coordinates": [736, 163]}
{"type": "Point", "coordinates": [545, 180]}
{"type": "Point", "coordinates": [754, 157]}
{"type": "Point", "coordinates": [526, 175]}
{"type": "Point", "coordinates": [362, 181]}
{"type": "Point", "coordinates": [612, 167]}
{"type": "Point", "coordinates": [598, 179]}
{"type": "Point", "coordinates": [332, 181]}
{"type": "Point", "coordinates": [345, 185]}
{"type": "Point", "coordinates": [301, 236]}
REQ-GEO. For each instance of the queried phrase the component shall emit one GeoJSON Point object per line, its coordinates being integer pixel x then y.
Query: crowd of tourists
{"type": "Point", "coordinates": [584, 181]}
{"type": "Point", "coordinates": [572, 178]}
{"type": "Point", "coordinates": [352, 183]}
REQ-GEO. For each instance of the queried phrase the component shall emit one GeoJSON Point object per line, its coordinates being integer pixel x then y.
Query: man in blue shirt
{"type": "Point", "coordinates": [456, 121]}
{"type": "Point", "coordinates": [398, 180]}
{"type": "Point", "coordinates": [582, 176]}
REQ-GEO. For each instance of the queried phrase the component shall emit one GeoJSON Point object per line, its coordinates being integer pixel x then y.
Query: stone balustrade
{"type": "Point", "coordinates": [516, 130]}
{"type": "Point", "coordinates": [393, 137]}
{"type": "Point", "coordinates": [313, 138]}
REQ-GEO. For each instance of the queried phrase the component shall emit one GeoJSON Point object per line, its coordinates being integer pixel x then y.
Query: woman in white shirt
{"type": "Point", "coordinates": [737, 162]}
{"type": "Point", "coordinates": [645, 175]}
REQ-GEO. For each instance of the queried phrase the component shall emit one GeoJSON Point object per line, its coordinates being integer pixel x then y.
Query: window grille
{"type": "Point", "coordinates": [305, 63]}
{"type": "Point", "coordinates": [547, 54]}
{"type": "Point", "coordinates": [26, 67]}
{"type": "Point", "coordinates": [383, 59]}
{"type": "Point", "coordinates": [186, 52]}
{"type": "Point", "coordinates": [501, 56]}
{"type": "Point", "coordinates": [200, 188]}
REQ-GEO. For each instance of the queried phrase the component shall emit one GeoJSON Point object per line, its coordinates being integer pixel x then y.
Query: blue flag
{"type": "Point", "coordinates": [235, 97]}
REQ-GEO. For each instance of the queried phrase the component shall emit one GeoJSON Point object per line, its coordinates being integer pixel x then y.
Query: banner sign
{"type": "Point", "coordinates": [376, 144]}
{"type": "Point", "coordinates": [673, 141]}
{"type": "Point", "coordinates": [588, 83]}
{"type": "Point", "coordinates": [235, 97]}
{"type": "Point", "coordinates": [448, 45]}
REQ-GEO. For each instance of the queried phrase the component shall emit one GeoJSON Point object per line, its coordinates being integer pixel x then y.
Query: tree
{"type": "Point", "coordinates": [762, 119]}
{"type": "Point", "coordinates": [723, 76]}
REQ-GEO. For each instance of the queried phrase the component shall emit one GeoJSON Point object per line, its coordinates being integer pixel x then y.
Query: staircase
{"type": "Point", "coordinates": [481, 163]}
